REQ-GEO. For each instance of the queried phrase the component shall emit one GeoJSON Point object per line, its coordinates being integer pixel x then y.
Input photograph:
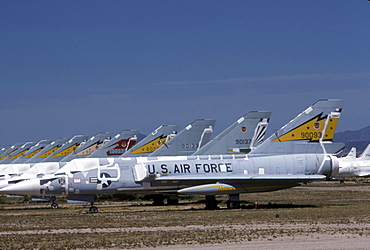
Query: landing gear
{"type": "Point", "coordinates": [158, 200]}
{"type": "Point", "coordinates": [93, 209]}
{"type": "Point", "coordinates": [211, 202]}
{"type": "Point", "coordinates": [54, 205]}
{"type": "Point", "coordinates": [233, 202]}
{"type": "Point", "coordinates": [172, 200]}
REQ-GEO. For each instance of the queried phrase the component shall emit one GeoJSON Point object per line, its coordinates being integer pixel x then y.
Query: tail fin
{"type": "Point", "coordinates": [18, 152]}
{"type": "Point", "coordinates": [47, 151]}
{"type": "Point", "coordinates": [153, 141]}
{"type": "Point", "coordinates": [351, 155]}
{"type": "Point", "coordinates": [89, 147]}
{"type": "Point", "coordinates": [118, 145]}
{"type": "Point", "coordinates": [240, 137]}
{"type": "Point", "coordinates": [306, 132]}
{"type": "Point", "coordinates": [38, 147]}
{"type": "Point", "coordinates": [68, 148]}
{"type": "Point", "coordinates": [365, 156]}
{"type": "Point", "coordinates": [190, 139]}
{"type": "Point", "coordinates": [10, 151]}
{"type": "Point", "coordinates": [3, 150]}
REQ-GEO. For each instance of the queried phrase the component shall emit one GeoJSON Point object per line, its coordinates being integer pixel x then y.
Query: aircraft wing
{"type": "Point", "coordinates": [234, 184]}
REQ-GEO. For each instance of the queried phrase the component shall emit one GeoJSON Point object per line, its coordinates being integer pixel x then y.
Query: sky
{"type": "Point", "coordinates": [83, 67]}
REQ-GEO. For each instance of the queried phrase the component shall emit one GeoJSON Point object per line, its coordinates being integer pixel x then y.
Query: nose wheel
{"type": "Point", "coordinates": [93, 209]}
{"type": "Point", "coordinates": [54, 205]}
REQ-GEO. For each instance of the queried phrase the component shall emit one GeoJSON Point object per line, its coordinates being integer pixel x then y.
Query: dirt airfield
{"type": "Point", "coordinates": [321, 215]}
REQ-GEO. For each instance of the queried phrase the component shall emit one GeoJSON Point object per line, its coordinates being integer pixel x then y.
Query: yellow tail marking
{"type": "Point", "coordinates": [5, 156]}
{"type": "Point", "coordinates": [49, 152]}
{"type": "Point", "coordinates": [150, 146]}
{"type": "Point", "coordinates": [311, 130]}
{"type": "Point", "coordinates": [67, 151]}
{"type": "Point", "coordinates": [19, 154]}
{"type": "Point", "coordinates": [30, 155]}
{"type": "Point", "coordinates": [330, 130]}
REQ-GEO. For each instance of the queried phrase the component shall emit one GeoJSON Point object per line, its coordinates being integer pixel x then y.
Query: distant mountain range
{"type": "Point", "coordinates": [358, 139]}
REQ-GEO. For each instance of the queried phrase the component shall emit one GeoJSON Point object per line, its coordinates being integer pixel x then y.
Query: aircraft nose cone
{"type": "Point", "coordinates": [29, 187]}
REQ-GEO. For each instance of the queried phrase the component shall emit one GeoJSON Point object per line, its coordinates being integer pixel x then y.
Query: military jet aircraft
{"type": "Point", "coordinates": [350, 166]}
{"type": "Point", "coordinates": [54, 160]}
{"type": "Point", "coordinates": [297, 153]}
{"type": "Point", "coordinates": [95, 146]}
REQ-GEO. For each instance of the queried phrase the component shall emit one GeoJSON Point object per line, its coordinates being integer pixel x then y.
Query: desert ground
{"type": "Point", "coordinates": [321, 215]}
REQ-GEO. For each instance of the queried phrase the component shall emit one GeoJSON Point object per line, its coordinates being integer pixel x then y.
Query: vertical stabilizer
{"type": "Point", "coordinates": [189, 140]}
{"type": "Point", "coordinates": [18, 153]}
{"type": "Point", "coordinates": [4, 149]}
{"type": "Point", "coordinates": [240, 137]}
{"type": "Point", "coordinates": [89, 147]}
{"type": "Point", "coordinates": [47, 151]}
{"type": "Point", "coordinates": [67, 148]}
{"type": "Point", "coordinates": [307, 133]}
{"type": "Point", "coordinates": [351, 155]}
{"type": "Point", "coordinates": [32, 151]}
{"type": "Point", "coordinates": [153, 141]}
{"type": "Point", "coordinates": [365, 156]}
{"type": "Point", "coordinates": [118, 145]}
{"type": "Point", "coordinates": [9, 151]}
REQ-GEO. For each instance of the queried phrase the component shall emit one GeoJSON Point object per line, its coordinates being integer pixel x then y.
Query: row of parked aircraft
{"type": "Point", "coordinates": [167, 163]}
